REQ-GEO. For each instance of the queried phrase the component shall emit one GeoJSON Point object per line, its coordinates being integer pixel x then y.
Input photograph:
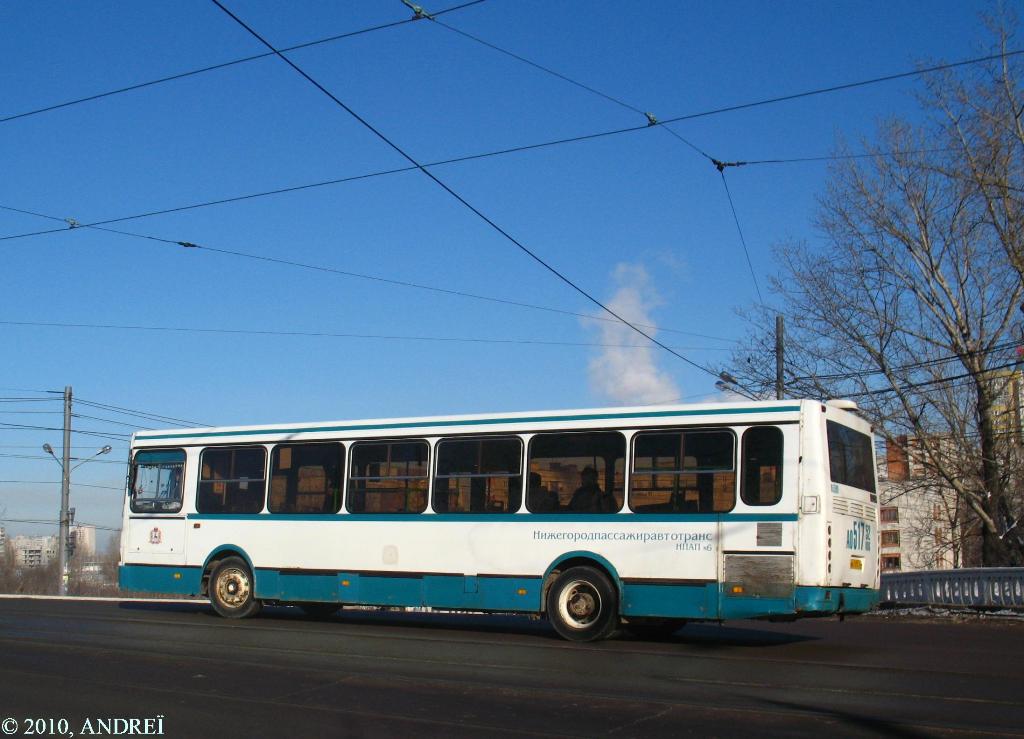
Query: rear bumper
{"type": "Point", "coordinates": [821, 601]}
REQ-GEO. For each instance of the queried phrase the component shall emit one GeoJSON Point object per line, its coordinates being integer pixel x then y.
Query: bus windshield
{"type": "Point", "coordinates": [156, 481]}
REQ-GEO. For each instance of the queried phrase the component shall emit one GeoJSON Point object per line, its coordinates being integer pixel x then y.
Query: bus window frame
{"type": "Point", "coordinates": [742, 466]}
{"type": "Point", "coordinates": [133, 469]}
{"type": "Point", "coordinates": [630, 469]}
{"type": "Point", "coordinates": [873, 470]}
{"type": "Point", "coordinates": [227, 447]}
{"type": "Point", "coordinates": [431, 506]}
{"type": "Point", "coordinates": [350, 462]}
{"type": "Point", "coordinates": [624, 433]}
{"type": "Point", "coordinates": [342, 476]}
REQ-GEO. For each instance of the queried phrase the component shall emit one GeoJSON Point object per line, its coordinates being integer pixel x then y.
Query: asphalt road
{"type": "Point", "coordinates": [397, 674]}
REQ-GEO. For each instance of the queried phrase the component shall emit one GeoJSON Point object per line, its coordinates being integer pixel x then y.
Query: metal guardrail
{"type": "Point", "coordinates": [988, 587]}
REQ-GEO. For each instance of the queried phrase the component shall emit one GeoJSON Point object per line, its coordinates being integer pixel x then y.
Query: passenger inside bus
{"type": "Point", "coordinates": [541, 500]}
{"type": "Point", "coordinates": [589, 497]}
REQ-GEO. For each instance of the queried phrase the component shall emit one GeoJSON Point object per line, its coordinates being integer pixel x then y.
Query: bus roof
{"type": "Point", "coordinates": [517, 422]}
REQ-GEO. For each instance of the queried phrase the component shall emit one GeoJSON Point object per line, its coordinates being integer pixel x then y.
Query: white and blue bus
{"type": "Point", "coordinates": [652, 516]}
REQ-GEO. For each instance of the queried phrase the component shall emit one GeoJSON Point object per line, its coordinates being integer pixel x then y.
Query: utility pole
{"type": "Point", "coordinates": [65, 493]}
{"type": "Point", "coordinates": [780, 388]}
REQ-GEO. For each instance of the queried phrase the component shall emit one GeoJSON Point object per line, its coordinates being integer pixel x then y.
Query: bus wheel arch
{"type": "Point", "coordinates": [579, 559]}
{"type": "Point", "coordinates": [220, 553]}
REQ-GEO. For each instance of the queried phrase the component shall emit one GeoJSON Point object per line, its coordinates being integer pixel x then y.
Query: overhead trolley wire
{"type": "Point", "coordinates": [73, 459]}
{"type": "Point", "coordinates": [56, 482]}
{"type": "Point", "coordinates": [71, 223]}
{"type": "Point", "coordinates": [96, 526]}
{"type": "Point", "coordinates": [651, 121]}
{"type": "Point", "coordinates": [112, 435]}
{"type": "Point", "coordinates": [373, 278]}
{"type": "Point", "coordinates": [434, 14]}
{"type": "Point", "coordinates": [455, 194]}
{"type": "Point", "coordinates": [648, 116]}
{"type": "Point", "coordinates": [138, 413]}
{"type": "Point", "coordinates": [927, 383]}
{"type": "Point", "coordinates": [242, 60]}
{"type": "Point", "coordinates": [269, 332]}
{"type": "Point", "coordinates": [720, 165]}
{"type": "Point", "coordinates": [110, 420]}
{"type": "Point", "coordinates": [541, 67]}
{"type": "Point", "coordinates": [739, 229]}
{"type": "Point", "coordinates": [902, 368]}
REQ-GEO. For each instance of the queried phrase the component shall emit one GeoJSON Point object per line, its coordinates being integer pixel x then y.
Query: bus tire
{"type": "Point", "coordinates": [582, 605]}
{"type": "Point", "coordinates": [232, 589]}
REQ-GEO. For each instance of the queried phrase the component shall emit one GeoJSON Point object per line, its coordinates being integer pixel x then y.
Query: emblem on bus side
{"type": "Point", "coordinates": [155, 537]}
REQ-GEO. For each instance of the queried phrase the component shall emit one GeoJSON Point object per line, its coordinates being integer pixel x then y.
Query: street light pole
{"type": "Point", "coordinates": [65, 491]}
{"type": "Point", "coordinates": [780, 353]}
{"type": "Point", "coordinates": [65, 494]}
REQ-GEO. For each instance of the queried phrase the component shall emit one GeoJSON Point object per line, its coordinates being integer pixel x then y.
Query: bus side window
{"type": "Point", "coordinates": [478, 475]}
{"type": "Point", "coordinates": [232, 480]}
{"type": "Point", "coordinates": [388, 477]}
{"type": "Point", "coordinates": [577, 472]}
{"type": "Point", "coordinates": [683, 471]}
{"type": "Point", "coordinates": [762, 466]}
{"type": "Point", "coordinates": [306, 478]}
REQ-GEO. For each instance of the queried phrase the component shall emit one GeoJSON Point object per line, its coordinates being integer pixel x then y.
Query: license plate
{"type": "Point", "coordinates": [856, 564]}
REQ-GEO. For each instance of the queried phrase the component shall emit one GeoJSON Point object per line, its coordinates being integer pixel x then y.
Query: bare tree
{"type": "Point", "coordinates": [910, 305]}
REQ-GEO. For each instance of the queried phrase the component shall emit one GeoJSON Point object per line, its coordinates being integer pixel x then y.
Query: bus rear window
{"type": "Point", "coordinates": [850, 457]}
{"type": "Point", "coordinates": [156, 481]}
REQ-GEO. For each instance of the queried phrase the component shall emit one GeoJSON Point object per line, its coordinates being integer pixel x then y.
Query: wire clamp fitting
{"type": "Point", "coordinates": [72, 223]}
{"type": "Point", "coordinates": [651, 120]}
{"type": "Point", "coordinates": [720, 165]}
{"type": "Point", "coordinates": [188, 244]}
{"type": "Point", "coordinates": [417, 10]}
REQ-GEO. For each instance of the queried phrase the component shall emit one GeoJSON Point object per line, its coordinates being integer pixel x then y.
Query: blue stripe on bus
{"type": "Point", "coordinates": [409, 590]}
{"type": "Point", "coordinates": [602, 518]}
{"type": "Point", "coordinates": [472, 422]}
{"type": "Point", "coordinates": [489, 593]}
{"type": "Point", "coordinates": [670, 600]}
{"type": "Point", "coordinates": [169, 579]}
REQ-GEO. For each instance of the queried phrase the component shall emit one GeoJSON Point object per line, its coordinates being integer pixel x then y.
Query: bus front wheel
{"type": "Point", "coordinates": [582, 605]}
{"type": "Point", "coordinates": [232, 591]}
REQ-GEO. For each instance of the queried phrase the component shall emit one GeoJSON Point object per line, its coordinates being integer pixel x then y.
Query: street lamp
{"type": "Point", "coordinates": [65, 494]}
{"type": "Point", "coordinates": [728, 383]}
{"type": "Point", "coordinates": [104, 450]}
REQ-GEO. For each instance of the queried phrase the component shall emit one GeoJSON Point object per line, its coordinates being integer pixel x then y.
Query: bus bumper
{"type": "Point", "coordinates": [819, 601]}
{"type": "Point", "coordinates": [170, 580]}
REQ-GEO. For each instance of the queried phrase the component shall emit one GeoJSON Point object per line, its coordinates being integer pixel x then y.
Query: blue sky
{"type": "Point", "coordinates": [637, 219]}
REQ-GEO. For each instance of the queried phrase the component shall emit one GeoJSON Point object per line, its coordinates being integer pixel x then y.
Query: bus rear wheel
{"type": "Point", "coordinates": [232, 591]}
{"type": "Point", "coordinates": [582, 605]}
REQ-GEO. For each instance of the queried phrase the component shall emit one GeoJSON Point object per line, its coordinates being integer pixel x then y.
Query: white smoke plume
{"type": "Point", "coordinates": [630, 375]}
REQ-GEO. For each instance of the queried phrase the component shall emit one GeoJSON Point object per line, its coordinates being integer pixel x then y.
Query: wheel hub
{"type": "Point", "coordinates": [233, 588]}
{"type": "Point", "coordinates": [579, 604]}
